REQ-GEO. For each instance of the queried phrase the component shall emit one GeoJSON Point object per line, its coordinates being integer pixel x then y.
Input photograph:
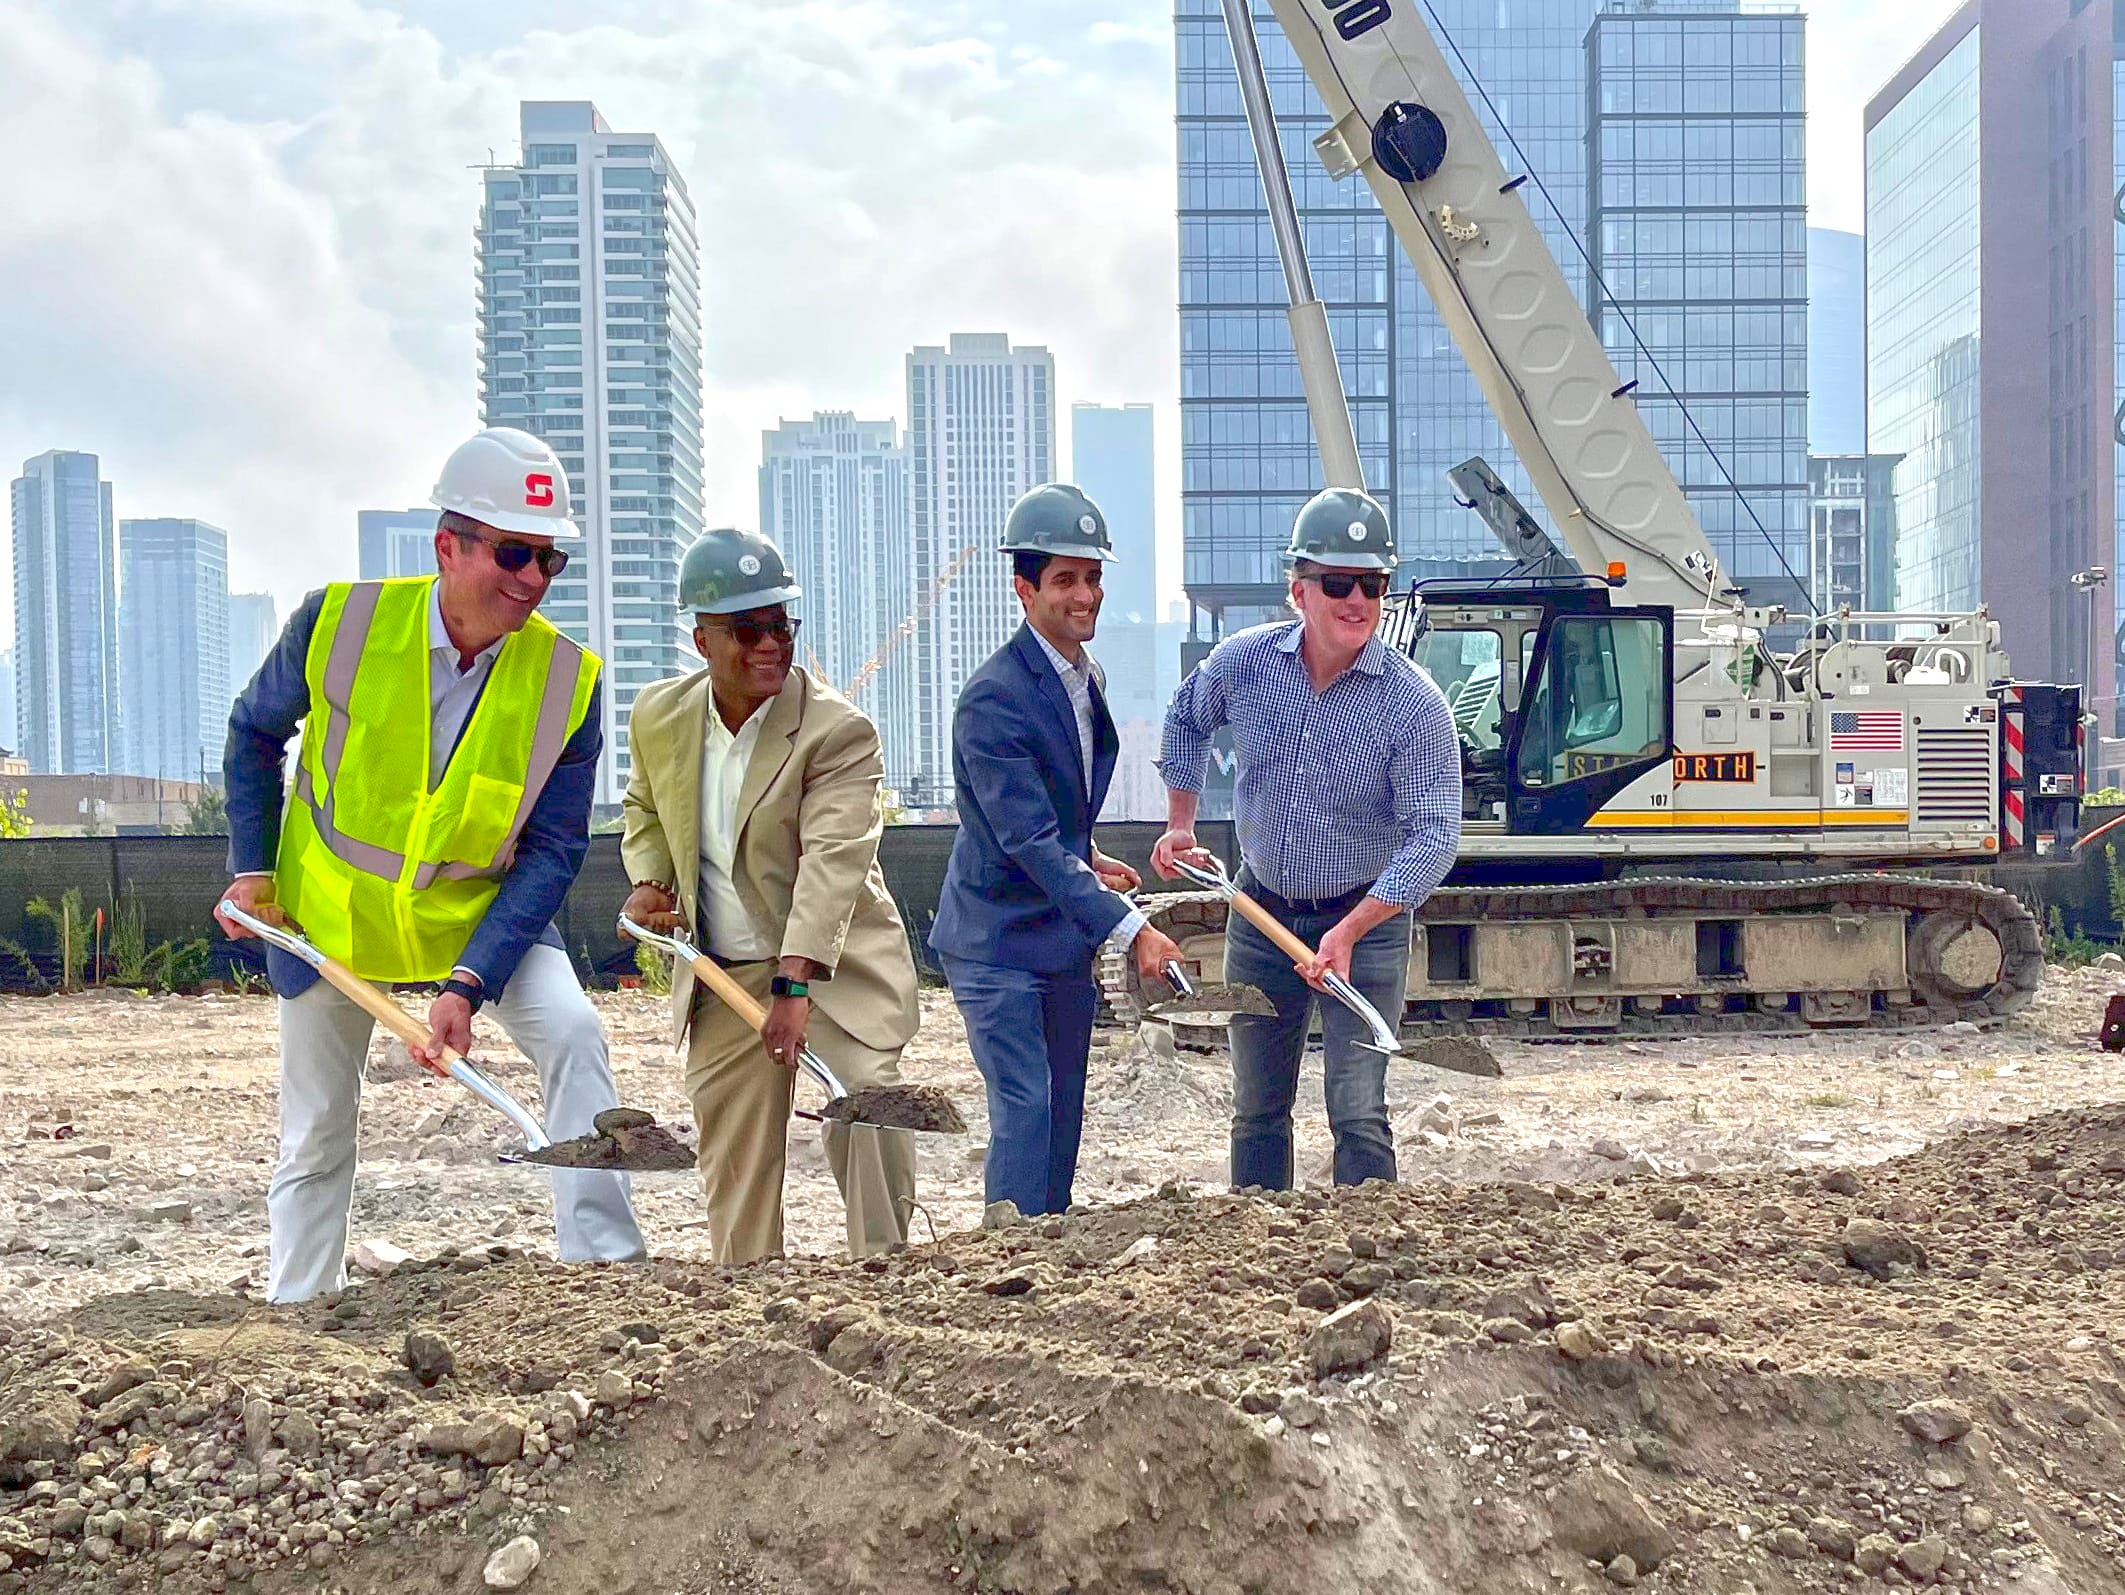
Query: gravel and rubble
{"type": "Point", "coordinates": [1533, 1366]}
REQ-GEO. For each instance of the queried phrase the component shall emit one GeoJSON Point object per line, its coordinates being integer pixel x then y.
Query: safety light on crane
{"type": "Point", "coordinates": [1615, 573]}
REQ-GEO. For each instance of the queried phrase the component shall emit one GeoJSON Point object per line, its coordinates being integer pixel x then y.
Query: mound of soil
{"type": "Point", "coordinates": [1909, 1376]}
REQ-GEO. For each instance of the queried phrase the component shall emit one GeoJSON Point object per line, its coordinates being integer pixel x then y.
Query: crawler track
{"type": "Point", "coordinates": [1971, 952]}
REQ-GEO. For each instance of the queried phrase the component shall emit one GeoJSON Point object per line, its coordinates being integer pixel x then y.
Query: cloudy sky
{"type": "Point", "coordinates": [236, 259]}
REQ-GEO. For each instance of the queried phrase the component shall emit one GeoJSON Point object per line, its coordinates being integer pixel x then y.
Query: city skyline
{"type": "Point", "coordinates": [338, 266]}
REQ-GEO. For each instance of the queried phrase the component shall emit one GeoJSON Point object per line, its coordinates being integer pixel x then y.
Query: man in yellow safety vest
{"type": "Point", "coordinates": [450, 741]}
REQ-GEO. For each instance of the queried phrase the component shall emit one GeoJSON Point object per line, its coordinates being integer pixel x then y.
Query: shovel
{"type": "Point", "coordinates": [885, 1107]}
{"type": "Point", "coordinates": [538, 1149]}
{"type": "Point", "coordinates": [1384, 1038]}
{"type": "Point", "coordinates": [1207, 1005]}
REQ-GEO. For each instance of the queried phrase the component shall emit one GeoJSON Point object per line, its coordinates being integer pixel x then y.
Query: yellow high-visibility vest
{"type": "Point", "coordinates": [382, 873]}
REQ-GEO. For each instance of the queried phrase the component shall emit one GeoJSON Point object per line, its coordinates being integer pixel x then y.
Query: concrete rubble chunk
{"type": "Point", "coordinates": [489, 1437]}
{"type": "Point", "coordinates": [1879, 1249]}
{"type": "Point", "coordinates": [513, 1564]}
{"type": "Point", "coordinates": [1833, 1537]}
{"type": "Point", "coordinates": [380, 1258]}
{"type": "Point", "coordinates": [1922, 1559]}
{"type": "Point", "coordinates": [35, 1426]}
{"type": "Point", "coordinates": [428, 1356]}
{"type": "Point", "coordinates": [1873, 1554]}
{"type": "Point", "coordinates": [1600, 1517]}
{"type": "Point", "coordinates": [1350, 1339]}
{"type": "Point", "coordinates": [127, 1375]}
{"type": "Point", "coordinates": [1939, 1421]}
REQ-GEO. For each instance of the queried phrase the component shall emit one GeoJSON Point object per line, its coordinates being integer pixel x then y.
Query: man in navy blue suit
{"type": "Point", "coordinates": [1028, 900]}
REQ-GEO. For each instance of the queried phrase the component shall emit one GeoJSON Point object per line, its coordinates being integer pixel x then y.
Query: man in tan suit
{"type": "Point", "coordinates": [752, 820]}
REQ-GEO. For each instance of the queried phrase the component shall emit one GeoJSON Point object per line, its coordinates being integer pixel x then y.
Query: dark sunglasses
{"type": "Point", "coordinates": [752, 633]}
{"type": "Point", "coordinates": [1338, 584]}
{"type": "Point", "coordinates": [511, 555]}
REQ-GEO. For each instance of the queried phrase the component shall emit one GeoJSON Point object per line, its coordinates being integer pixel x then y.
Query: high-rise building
{"type": "Point", "coordinates": [1247, 449]}
{"type": "Point", "coordinates": [174, 647]}
{"type": "Point", "coordinates": [66, 615]}
{"type": "Point", "coordinates": [1837, 342]}
{"type": "Point", "coordinates": [590, 338]}
{"type": "Point", "coordinates": [834, 497]}
{"type": "Point", "coordinates": [7, 699]}
{"type": "Point", "coordinates": [1697, 222]}
{"type": "Point", "coordinates": [1852, 531]}
{"type": "Point", "coordinates": [981, 430]}
{"type": "Point", "coordinates": [398, 543]}
{"type": "Point", "coordinates": [254, 626]}
{"type": "Point", "coordinates": [1112, 459]}
{"type": "Point", "coordinates": [1989, 211]}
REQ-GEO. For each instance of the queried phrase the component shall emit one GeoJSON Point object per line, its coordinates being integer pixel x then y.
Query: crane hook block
{"type": "Point", "coordinates": [1409, 142]}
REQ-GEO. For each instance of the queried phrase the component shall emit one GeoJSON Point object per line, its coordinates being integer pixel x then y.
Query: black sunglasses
{"type": "Point", "coordinates": [1338, 584]}
{"type": "Point", "coordinates": [752, 633]}
{"type": "Point", "coordinates": [511, 555]}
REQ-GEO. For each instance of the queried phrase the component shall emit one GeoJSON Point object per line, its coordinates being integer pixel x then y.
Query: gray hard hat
{"type": "Point", "coordinates": [727, 572]}
{"type": "Point", "coordinates": [1056, 518]}
{"type": "Point", "coordinates": [1344, 529]}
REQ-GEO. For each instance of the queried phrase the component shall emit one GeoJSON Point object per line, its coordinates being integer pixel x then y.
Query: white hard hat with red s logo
{"type": "Point", "coordinates": [508, 480]}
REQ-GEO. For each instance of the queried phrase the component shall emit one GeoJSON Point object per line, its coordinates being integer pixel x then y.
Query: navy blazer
{"type": "Point", "coordinates": [549, 852]}
{"type": "Point", "coordinates": [1019, 889]}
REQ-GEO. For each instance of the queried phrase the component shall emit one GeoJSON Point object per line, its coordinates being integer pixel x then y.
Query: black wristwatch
{"type": "Point", "coordinates": [466, 989]}
{"type": "Point", "coordinates": [783, 986]}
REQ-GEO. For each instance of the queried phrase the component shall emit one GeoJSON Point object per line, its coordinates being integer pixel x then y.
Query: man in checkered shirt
{"type": "Point", "coordinates": [1348, 806]}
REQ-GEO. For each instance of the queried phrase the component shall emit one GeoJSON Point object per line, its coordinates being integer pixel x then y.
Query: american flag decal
{"type": "Point", "coordinates": [1867, 730]}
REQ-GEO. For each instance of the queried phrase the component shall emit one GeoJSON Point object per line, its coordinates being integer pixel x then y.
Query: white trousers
{"type": "Point", "coordinates": [324, 1042]}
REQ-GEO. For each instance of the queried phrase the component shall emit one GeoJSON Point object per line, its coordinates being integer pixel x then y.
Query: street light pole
{"type": "Point", "coordinates": [2091, 582]}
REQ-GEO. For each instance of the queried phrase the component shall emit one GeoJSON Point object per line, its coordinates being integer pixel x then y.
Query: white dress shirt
{"type": "Point", "coordinates": [1077, 682]}
{"type": "Point", "coordinates": [729, 929]}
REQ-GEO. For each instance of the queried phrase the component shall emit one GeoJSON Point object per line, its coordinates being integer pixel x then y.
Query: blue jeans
{"type": "Point", "coordinates": [1266, 1052]}
{"type": "Point", "coordinates": [1030, 1034]}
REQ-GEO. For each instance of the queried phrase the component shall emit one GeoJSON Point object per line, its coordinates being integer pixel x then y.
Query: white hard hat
{"type": "Point", "coordinates": [509, 480]}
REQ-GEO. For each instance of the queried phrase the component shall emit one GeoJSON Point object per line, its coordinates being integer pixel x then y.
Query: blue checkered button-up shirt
{"type": "Point", "coordinates": [1357, 785]}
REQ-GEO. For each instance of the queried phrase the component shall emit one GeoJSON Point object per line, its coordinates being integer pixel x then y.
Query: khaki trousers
{"type": "Point", "coordinates": [742, 1098]}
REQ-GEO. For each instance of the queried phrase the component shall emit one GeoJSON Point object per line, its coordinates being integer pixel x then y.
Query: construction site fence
{"type": "Point", "coordinates": [172, 882]}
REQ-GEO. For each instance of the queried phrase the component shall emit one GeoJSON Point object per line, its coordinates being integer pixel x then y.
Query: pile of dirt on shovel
{"type": "Point", "coordinates": [1907, 1376]}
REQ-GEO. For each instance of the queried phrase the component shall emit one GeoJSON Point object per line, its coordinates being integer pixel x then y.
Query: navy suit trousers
{"type": "Point", "coordinates": [1030, 1034]}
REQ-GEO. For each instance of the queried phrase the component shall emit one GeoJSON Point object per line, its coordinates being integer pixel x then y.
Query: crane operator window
{"type": "Point", "coordinates": [1466, 664]}
{"type": "Point", "coordinates": [1600, 701]}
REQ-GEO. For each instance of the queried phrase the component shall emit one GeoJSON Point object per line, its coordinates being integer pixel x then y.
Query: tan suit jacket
{"type": "Point", "coordinates": [806, 866]}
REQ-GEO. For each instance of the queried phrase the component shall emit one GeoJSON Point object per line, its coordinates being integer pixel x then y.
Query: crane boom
{"type": "Point", "coordinates": [1388, 91]}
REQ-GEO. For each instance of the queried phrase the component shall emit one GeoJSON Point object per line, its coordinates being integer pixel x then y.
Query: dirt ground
{"type": "Point", "coordinates": [1639, 1313]}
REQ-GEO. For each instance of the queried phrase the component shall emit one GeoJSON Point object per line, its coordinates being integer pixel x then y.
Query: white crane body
{"type": "Point", "coordinates": [1632, 716]}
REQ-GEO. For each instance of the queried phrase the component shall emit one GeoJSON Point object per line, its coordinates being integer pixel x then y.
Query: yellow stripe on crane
{"type": "Point", "coordinates": [1745, 819]}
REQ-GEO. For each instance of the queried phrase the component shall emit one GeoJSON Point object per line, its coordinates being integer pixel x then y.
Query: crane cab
{"type": "Point", "coordinates": [1562, 697]}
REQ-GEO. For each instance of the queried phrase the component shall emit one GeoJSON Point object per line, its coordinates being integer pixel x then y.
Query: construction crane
{"type": "Point", "coordinates": [1629, 735]}
{"type": "Point", "coordinates": [910, 625]}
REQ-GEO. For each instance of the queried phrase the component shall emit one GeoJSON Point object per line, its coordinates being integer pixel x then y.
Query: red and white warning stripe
{"type": "Point", "coordinates": [2013, 820]}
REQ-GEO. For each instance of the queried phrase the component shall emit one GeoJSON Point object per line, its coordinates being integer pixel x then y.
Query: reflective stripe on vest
{"type": "Point", "coordinates": [389, 869]}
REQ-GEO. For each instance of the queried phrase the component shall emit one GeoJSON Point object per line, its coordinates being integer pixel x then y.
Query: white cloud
{"type": "Point", "coordinates": [237, 257]}
{"type": "Point", "coordinates": [248, 282]}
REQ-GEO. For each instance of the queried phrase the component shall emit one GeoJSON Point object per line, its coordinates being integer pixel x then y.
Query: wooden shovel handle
{"type": "Point", "coordinates": [385, 1012]}
{"type": "Point", "coordinates": [1268, 924]}
{"type": "Point", "coordinates": [721, 983]}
